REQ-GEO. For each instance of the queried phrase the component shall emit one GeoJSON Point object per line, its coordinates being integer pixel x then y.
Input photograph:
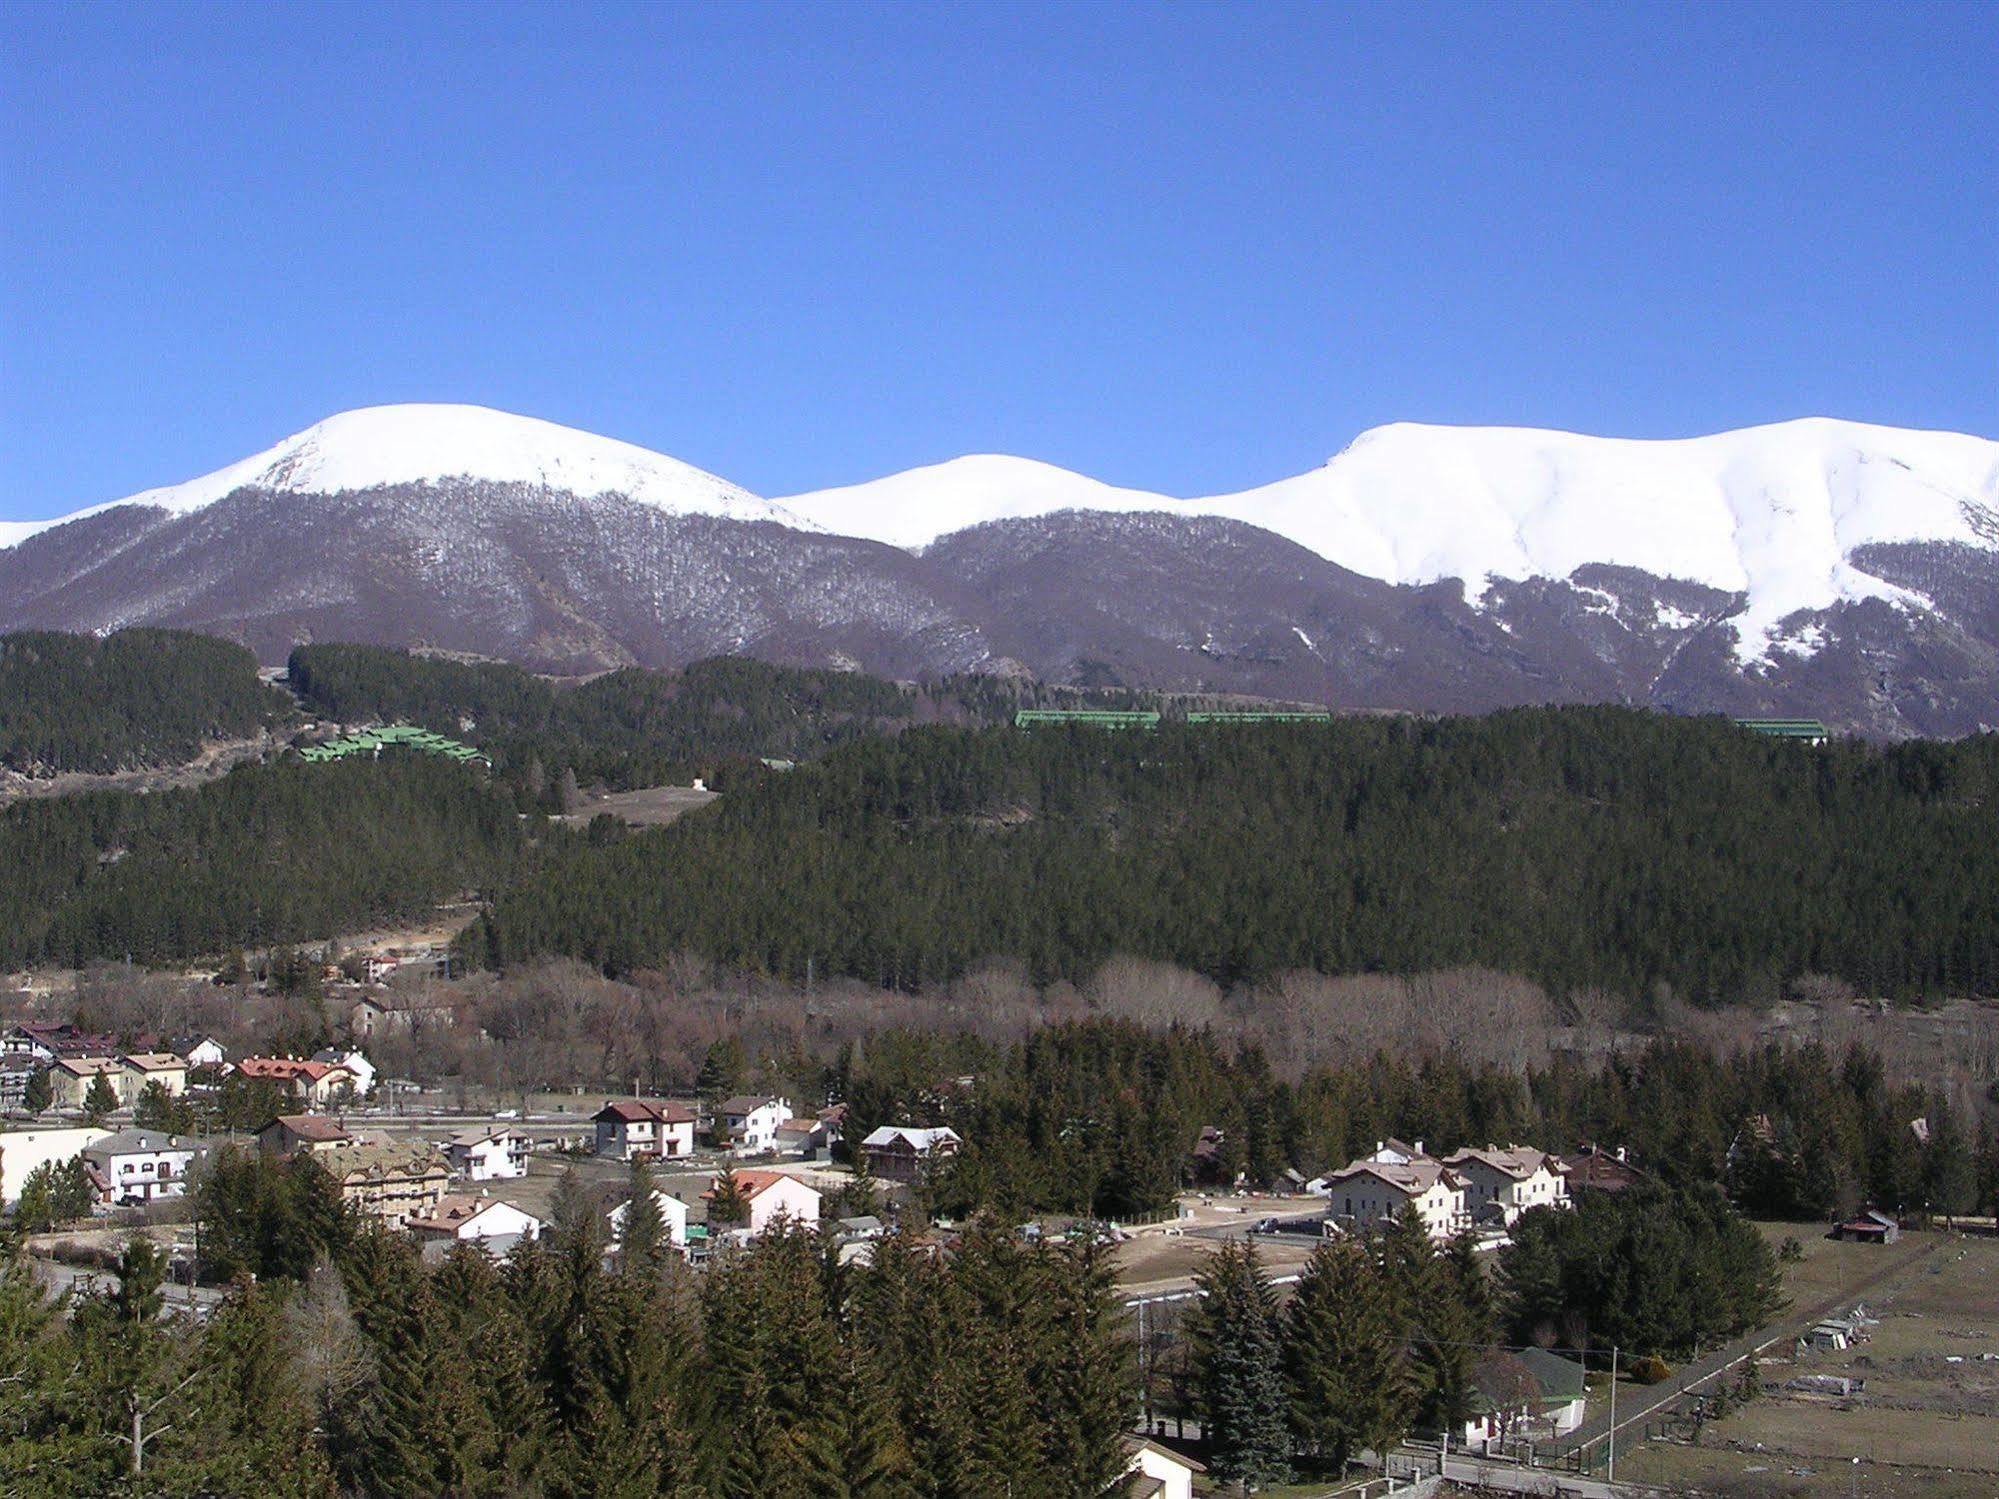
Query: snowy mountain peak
{"type": "Point", "coordinates": [425, 444]}
{"type": "Point", "coordinates": [1774, 512]}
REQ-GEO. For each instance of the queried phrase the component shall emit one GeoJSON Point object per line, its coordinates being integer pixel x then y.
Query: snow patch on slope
{"type": "Point", "coordinates": [425, 444]}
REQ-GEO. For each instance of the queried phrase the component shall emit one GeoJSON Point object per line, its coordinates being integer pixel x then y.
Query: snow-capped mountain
{"type": "Point", "coordinates": [1775, 513]}
{"type": "Point", "coordinates": [379, 446]}
{"type": "Point", "coordinates": [1827, 568]}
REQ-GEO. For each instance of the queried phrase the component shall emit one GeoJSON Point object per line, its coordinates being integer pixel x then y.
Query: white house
{"type": "Point", "coordinates": [1503, 1184]}
{"type": "Point", "coordinates": [199, 1050]}
{"type": "Point", "coordinates": [749, 1124]}
{"type": "Point", "coordinates": [482, 1218]}
{"type": "Point", "coordinates": [484, 1155]}
{"type": "Point", "coordinates": [357, 1064]}
{"type": "Point", "coordinates": [672, 1213]}
{"type": "Point", "coordinates": [137, 1166]}
{"type": "Point", "coordinates": [1156, 1472]}
{"type": "Point", "coordinates": [628, 1127]}
{"type": "Point", "coordinates": [772, 1195]}
{"type": "Point", "coordinates": [22, 1150]}
{"type": "Point", "coordinates": [1368, 1193]}
{"type": "Point", "coordinates": [1533, 1394]}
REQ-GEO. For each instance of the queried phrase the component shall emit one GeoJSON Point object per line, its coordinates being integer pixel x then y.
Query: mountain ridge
{"type": "Point", "coordinates": [1818, 567]}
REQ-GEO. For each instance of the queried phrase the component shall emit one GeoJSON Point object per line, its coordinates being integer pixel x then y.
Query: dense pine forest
{"type": "Point", "coordinates": [1588, 848]}
{"type": "Point", "coordinates": [633, 727]}
{"type": "Point", "coordinates": [266, 854]}
{"type": "Point", "coordinates": [136, 698]}
{"type": "Point", "coordinates": [348, 1366]}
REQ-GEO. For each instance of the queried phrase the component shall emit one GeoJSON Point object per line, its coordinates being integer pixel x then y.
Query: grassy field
{"type": "Point", "coordinates": [1926, 1421]}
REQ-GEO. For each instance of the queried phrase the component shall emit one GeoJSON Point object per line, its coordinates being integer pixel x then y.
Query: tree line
{"type": "Point", "coordinates": [134, 698]}
{"type": "Point", "coordinates": [266, 854]}
{"type": "Point", "coordinates": [1586, 848]}
{"type": "Point", "coordinates": [1104, 1118]}
{"type": "Point", "coordinates": [349, 1365]}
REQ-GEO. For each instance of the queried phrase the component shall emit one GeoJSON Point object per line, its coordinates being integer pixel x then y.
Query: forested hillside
{"type": "Point", "coordinates": [627, 728]}
{"type": "Point", "coordinates": [136, 698]}
{"type": "Point", "coordinates": [1582, 847]}
{"type": "Point", "coordinates": [266, 854]}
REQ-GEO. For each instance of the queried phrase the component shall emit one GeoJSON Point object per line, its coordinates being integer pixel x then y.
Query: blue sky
{"type": "Point", "coordinates": [1186, 247]}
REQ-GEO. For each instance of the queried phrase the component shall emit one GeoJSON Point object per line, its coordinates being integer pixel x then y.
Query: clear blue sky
{"type": "Point", "coordinates": [1184, 247]}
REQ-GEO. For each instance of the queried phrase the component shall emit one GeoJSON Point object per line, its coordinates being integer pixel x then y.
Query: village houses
{"type": "Point", "coordinates": [483, 1155]}
{"type": "Point", "coordinates": [393, 1183]}
{"type": "Point", "coordinates": [161, 1067]}
{"type": "Point", "coordinates": [314, 1084]}
{"type": "Point", "coordinates": [748, 1124]}
{"type": "Point", "coordinates": [137, 1166]}
{"type": "Point", "coordinates": [70, 1079]}
{"type": "Point", "coordinates": [355, 1061]}
{"type": "Point", "coordinates": [900, 1153]}
{"type": "Point", "coordinates": [672, 1215]}
{"type": "Point", "coordinates": [290, 1134]}
{"type": "Point", "coordinates": [493, 1223]}
{"type": "Point", "coordinates": [771, 1195]}
{"type": "Point", "coordinates": [1501, 1184]}
{"type": "Point", "coordinates": [631, 1127]}
{"type": "Point", "coordinates": [48, 1042]}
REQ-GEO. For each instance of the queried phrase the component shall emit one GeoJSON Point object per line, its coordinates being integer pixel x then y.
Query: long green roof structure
{"type": "Point", "coordinates": [407, 736]}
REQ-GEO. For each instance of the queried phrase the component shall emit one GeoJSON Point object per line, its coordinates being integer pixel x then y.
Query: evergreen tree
{"type": "Point", "coordinates": [1090, 1398]}
{"type": "Point", "coordinates": [727, 1205]}
{"type": "Point", "coordinates": [1239, 1375]}
{"type": "Point", "coordinates": [38, 1095]}
{"type": "Point", "coordinates": [642, 1244]}
{"type": "Point", "coordinates": [1344, 1358]}
{"type": "Point", "coordinates": [99, 1099]}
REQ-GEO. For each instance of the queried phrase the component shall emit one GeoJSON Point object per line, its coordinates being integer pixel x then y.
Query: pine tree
{"type": "Point", "coordinates": [99, 1098]}
{"type": "Point", "coordinates": [1089, 1392]}
{"type": "Point", "coordinates": [38, 1095]}
{"type": "Point", "coordinates": [726, 1203]}
{"type": "Point", "coordinates": [1344, 1358]}
{"type": "Point", "coordinates": [642, 1243]}
{"type": "Point", "coordinates": [1239, 1377]}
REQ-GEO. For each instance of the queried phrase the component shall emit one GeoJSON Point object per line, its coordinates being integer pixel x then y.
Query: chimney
{"type": "Point", "coordinates": [1620, 1152]}
{"type": "Point", "coordinates": [1379, 1146]}
{"type": "Point", "coordinates": [1419, 1147]}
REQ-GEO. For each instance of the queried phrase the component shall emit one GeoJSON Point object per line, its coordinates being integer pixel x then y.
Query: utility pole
{"type": "Point", "coordinates": [1610, 1476]}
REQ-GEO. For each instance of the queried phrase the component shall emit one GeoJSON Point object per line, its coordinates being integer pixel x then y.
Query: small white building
{"type": "Point", "coordinates": [628, 1127]}
{"type": "Point", "coordinates": [748, 1124]}
{"type": "Point", "coordinates": [356, 1062]}
{"type": "Point", "coordinates": [199, 1050]}
{"type": "Point", "coordinates": [1156, 1472]}
{"type": "Point", "coordinates": [137, 1166]}
{"type": "Point", "coordinates": [1504, 1183]}
{"type": "Point", "coordinates": [22, 1150]}
{"type": "Point", "coordinates": [483, 1155]}
{"type": "Point", "coordinates": [772, 1195]}
{"type": "Point", "coordinates": [482, 1218]}
{"type": "Point", "coordinates": [672, 1213]}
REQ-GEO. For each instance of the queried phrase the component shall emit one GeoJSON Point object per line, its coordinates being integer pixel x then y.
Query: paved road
{"type": "Point", "coordinates": [1517, 1480]}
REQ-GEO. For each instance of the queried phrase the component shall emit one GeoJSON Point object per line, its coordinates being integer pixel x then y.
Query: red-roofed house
{"type": "Point", "coordinates": [313, 1083]}
{"type": "Point", "coordinates": [772, 1195]}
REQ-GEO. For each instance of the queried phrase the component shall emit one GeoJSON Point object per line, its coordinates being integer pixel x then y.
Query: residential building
{"type": "Point", "coordinates": [137, 1166]}
{"type": "Point", "coordinates": [52, 1041]}
{"type": "Point", "coordinates": [747, 1124]}
{"type": "Point", "coordinates": [1532, 1394]}
{"type": "Point", "coordinates": [22, 1150]}
{"type": "Point", "coordinates": [900, 1153]}
{"type": "Point", "coordinates": [1367, 1194]}
{"type": "Point", "coordinates": [356, 1063]}
{"type": "Point", "coordinates": [313, 1134]}
{"type": "Point", "coordinates": [644, 1127]}
{"type": "Point", "coordinates": [1501, 1184]}
{"type": "Point", "coordinates": [394, 1183]}
{"type": "Point", "coordinates": [672, 1214]}
{"type": "Point", "coordinates": [493, 1220]}
{"type": "Point", "coordinates": [17, 1069]}
{"type": "Point", "coordinates": [70, 1079]}
{"type": "Point", "coordinates": [1156, 1472]}
{"type": "Point", "coordinates": [484, 1155]}
{"type": "Point", "coordinates": [772, 1195]}
{"type": "Point", "coordinates": [1594, 1169]}
{"type": "Point", "coordinates": [145, 1067]}
{"type": "Point", "coordinates": [315, 1084]}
